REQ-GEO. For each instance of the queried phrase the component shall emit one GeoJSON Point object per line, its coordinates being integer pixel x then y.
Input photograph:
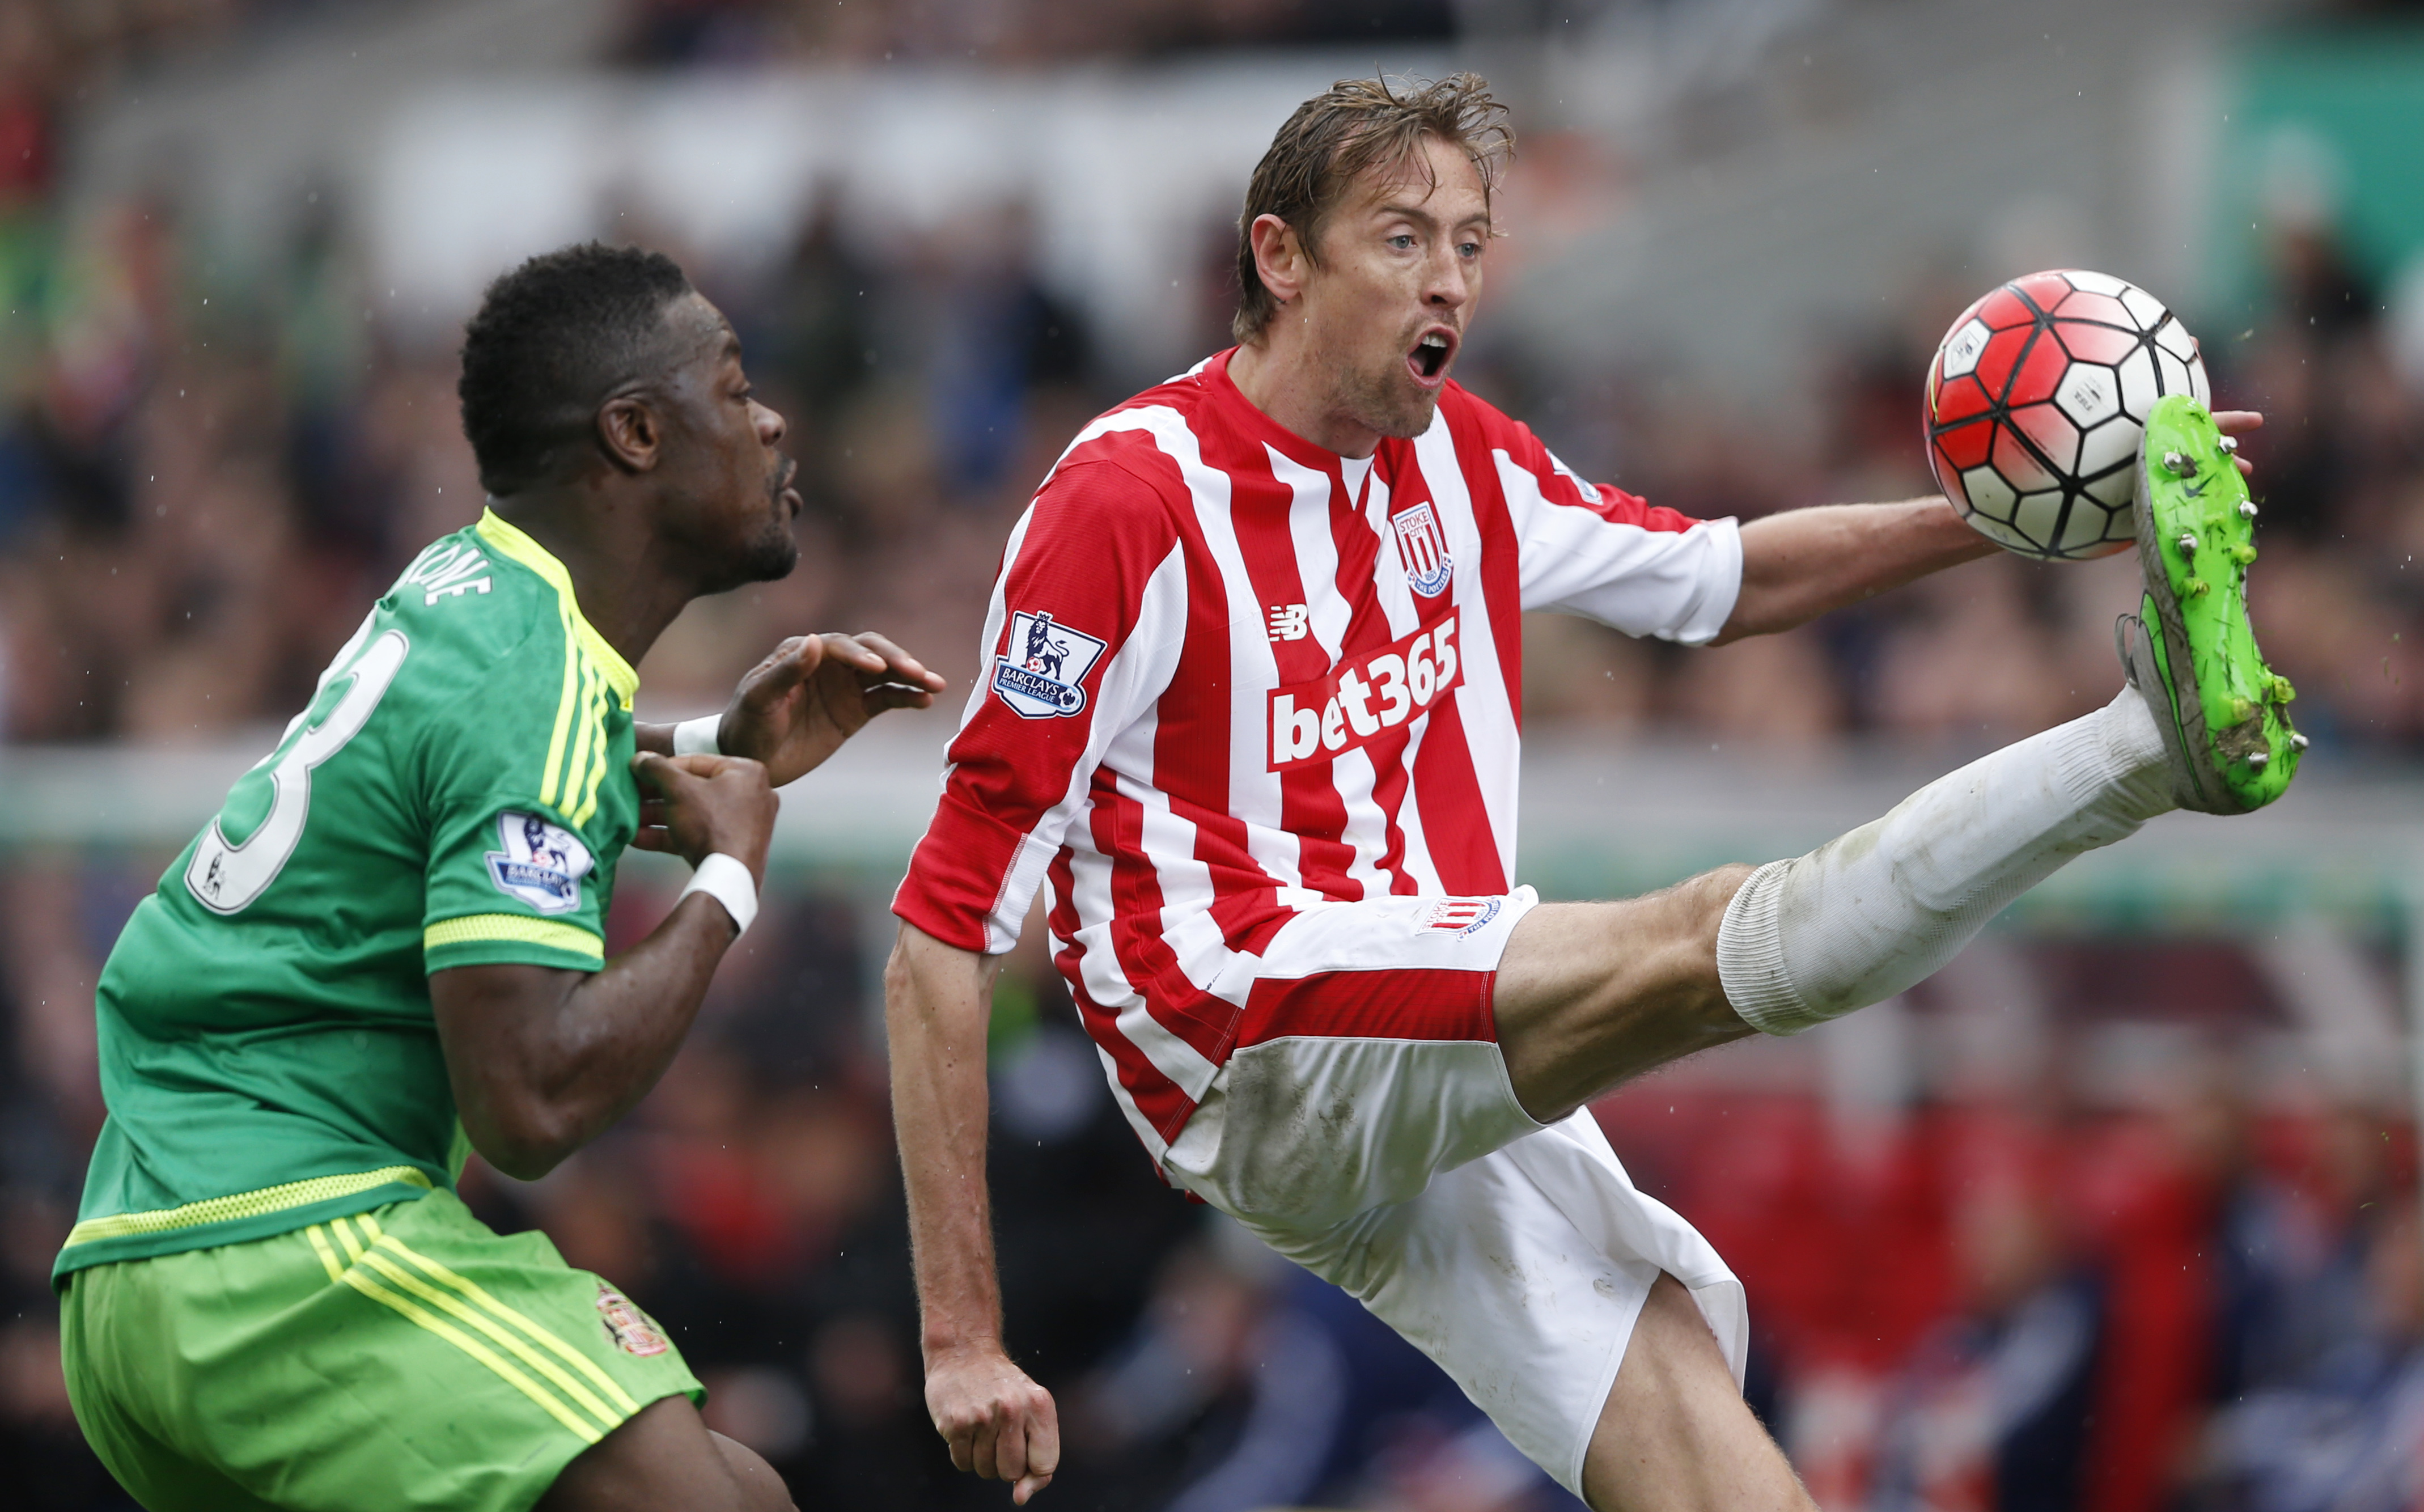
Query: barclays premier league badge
{"type": "Point", "coordinates": [541, 864]}
{"type": "Point", "coordinates": [1040, 673]}
{"type": "Point", "coordinates": [1423, 548]}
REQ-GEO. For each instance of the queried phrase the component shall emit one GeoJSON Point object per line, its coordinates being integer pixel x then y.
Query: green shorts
{"type": "Point", "coordinates": [406, 1357]}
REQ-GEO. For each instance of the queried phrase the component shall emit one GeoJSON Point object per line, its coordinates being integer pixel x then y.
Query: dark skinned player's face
{"type": "Point", "coordinates": [730, 490]}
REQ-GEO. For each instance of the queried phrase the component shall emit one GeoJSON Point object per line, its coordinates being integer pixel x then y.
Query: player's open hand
{"type": "Point", "coordinates": [2239, 423]}
{"type": "Point", "coordinates": [798, 706]}
{"type": "Point", "coordinates": [998, 1422]}
{"type": "Point", "coordinates": [693, 805]}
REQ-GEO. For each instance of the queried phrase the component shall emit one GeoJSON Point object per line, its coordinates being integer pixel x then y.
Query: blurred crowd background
{"type": "Point", "coordinates": [2119, 1217]}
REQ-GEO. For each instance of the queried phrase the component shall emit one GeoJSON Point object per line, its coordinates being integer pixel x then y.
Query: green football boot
{"type": "Point", "coordinates": [2191, 651]}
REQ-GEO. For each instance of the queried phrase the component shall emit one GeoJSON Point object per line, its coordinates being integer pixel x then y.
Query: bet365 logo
{"type": "Point", "coordinates": [1362, 699]}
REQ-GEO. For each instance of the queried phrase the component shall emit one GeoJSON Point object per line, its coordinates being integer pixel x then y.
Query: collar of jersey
{"type": "Point", "coordinates": [512, 541]}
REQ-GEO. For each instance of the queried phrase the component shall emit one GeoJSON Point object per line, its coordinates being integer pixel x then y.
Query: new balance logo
{"type": "Point", "coordinates": [1290, 622]}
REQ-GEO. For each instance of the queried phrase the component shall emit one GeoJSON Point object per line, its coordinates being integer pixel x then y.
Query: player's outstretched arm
{"type": "Point", "coordinates": [1802, 563]}
{"type": "Point", "coordinates": [999, 1424]}
{"type": "Point", "coordinates": [543, 1061]}
{"type": "Point", "coordinates": [1799, 563]}
{"type": "Point", "coordinates": [812, 693]}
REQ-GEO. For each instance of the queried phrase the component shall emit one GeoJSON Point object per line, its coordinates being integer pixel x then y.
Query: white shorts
{"type": "Point", "coordinates": [1515, 1254]}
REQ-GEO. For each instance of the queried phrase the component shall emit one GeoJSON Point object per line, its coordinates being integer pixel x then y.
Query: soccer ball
{"type": "Point", "coordinates": [2035, 404]}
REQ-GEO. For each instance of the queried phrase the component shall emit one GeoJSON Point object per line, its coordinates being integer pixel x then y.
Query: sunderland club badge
{"type": "Point", "coordinates": [626, 1328]}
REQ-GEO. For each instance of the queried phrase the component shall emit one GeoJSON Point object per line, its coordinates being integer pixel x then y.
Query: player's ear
{"type": "Point", "coordinates": [1278, 257]}
{"type": "Point", "coordinates": [630, 433]}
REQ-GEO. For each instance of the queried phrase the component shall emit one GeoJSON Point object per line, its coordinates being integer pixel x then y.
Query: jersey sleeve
{"type": "Point", "coordinates": [1081, 636]}
{"type": "Point", "coordinates": [1591, 549]}
{"type": "Point", "coordinates": [511, 786]}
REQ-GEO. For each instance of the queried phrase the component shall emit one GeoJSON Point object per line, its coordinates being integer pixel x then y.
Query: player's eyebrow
{"type": "Point", "coordinates": [1417, 213]}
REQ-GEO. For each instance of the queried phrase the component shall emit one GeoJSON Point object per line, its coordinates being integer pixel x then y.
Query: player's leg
{"type": "Point", "coordinates": [665, 1459]}
{"type": "Point", "coordinates": [1675, 1435]}
{"type": "Point", "coordinates": [1590, 994]}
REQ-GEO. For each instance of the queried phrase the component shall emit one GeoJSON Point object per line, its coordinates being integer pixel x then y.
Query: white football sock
{"type": "Point", "coordinates": [1865, 915]}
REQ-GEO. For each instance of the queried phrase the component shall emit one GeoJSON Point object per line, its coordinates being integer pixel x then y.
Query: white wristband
{"type": "Point", "coordinates": [727, 881]}
{"type": "Point", "coordinates": [698, 737]}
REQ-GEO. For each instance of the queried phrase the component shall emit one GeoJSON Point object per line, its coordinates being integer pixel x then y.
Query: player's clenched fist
{"type": "Point", "coordinates": [998, 1422]}
{"type": "Point", "coordinates": [694, 806]}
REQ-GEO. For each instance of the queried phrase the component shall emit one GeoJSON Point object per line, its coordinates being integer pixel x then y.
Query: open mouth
{"type": "Point", "coordinates": [1429, 358]}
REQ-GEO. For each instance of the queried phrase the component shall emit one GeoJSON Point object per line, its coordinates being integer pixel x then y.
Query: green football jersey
{"type": "Point", "coordinates": [456, 793]}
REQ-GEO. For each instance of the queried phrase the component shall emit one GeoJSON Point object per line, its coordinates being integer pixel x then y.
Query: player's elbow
{"type": "Point", "coordinates": [525, 1162]}
{"type": "Point", "coordinates": [1763, 608]}
{"type": "Point", "coordinates": [531, 1079]}
{"type": "Point", "coordinates": [900, 970]}
{"type": "Point", "coordinates": [525, 1140]}
{"type": "Point", "coordinates": [925, 975]}
{"type": "Point", "coordinates": [1740, 626]}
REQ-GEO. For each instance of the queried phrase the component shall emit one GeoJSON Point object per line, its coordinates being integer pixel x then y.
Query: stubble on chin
{"type": "Point", "coordinates": [1387, 404]}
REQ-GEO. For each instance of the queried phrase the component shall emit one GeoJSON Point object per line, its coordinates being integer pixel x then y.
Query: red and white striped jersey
{"type": "Point", "coordinates": [1229, 676]}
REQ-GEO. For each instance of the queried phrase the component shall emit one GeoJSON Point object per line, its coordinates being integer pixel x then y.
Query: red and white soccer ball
{"type": "Point", "coordinates": [2036, 400]}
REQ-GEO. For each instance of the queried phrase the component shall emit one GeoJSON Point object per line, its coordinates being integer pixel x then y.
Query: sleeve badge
{"type": "Point", "coordinates": [541, 863]}
{"type": "Point", "coordinates": [1042, 671]}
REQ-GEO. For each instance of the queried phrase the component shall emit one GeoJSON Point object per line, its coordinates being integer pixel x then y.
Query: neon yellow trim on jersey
{"type": "Point", "coordinates": [510, 539]}
{"type": "Point", "coordinates": [619, 676]}
{"type": "Point", "coordinates": [244, 1205]}
{"type": "Point", "coordinates": [595, 678]}
{"type": "Point", "coordinates": [518, 928]}
{"type": "Point", "coordinates": [588, 746]}
{"type": "Point", "coordinates": [588, 794]}
{"type": "Point", "coordinates": [563, 705]}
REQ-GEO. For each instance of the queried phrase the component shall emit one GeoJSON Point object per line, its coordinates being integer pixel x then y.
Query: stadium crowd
{"type": "Point", "coordinates": [2045, 1298]}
